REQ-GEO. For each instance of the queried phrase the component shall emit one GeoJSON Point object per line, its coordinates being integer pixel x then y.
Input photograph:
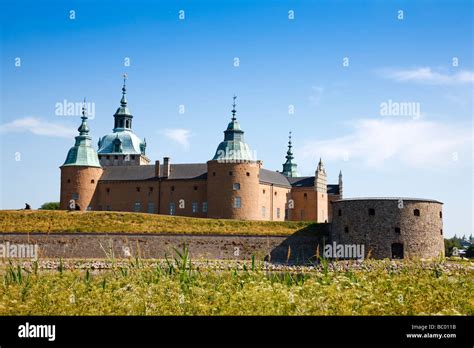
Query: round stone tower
{"type": "Point", "coordinates": [233, 177]}
{"type": "Point", "coordinates": [393, 228]}
{"type": "Point", "coordinates": [81, 172]}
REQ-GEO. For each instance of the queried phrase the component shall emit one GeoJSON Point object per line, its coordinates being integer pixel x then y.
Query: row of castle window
{"type": "Point", "coordinates": [195, 207]}
{"type": "Point", "coordinates": [264, 210]}
{"type": "Point", "coordinates": [416, 212]}
{"type": "Point", "coordinates": [231, 173]}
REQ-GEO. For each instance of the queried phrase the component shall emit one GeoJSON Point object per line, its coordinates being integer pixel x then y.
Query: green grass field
{"type": "Point", "coordinates": [62, 221]}
{"type": "Point", "coordinates": [176, 288]}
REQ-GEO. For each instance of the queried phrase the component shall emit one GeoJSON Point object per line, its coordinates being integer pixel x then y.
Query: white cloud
{"type": "Point", "coordinates": [415, 143]}
{"type": "Point", "coordinates": [426, 75]}
{"type": "Point", "coordinates": [179, 135]}
{"type": "Point", "coordinates": [38, 126]}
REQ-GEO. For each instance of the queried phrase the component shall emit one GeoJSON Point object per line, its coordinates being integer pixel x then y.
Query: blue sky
{"type": "Point", "coordinates": [424, 59]}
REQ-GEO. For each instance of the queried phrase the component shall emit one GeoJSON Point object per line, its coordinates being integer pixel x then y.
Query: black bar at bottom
{"type": "Point", "coordinates": [432, 330]}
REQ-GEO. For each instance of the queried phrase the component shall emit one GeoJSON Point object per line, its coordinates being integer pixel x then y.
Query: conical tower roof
{"type": "Point", "coordinates": [82, 153]}
{"type": "Point", "coordinates": [234, 147]}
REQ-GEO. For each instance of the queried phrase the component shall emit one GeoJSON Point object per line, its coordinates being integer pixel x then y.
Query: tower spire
{"type": "Point", "coordinates": [233, 108]}
{"type": "Point", "coordinates": [83, 128]}
{"type": "Point", "coordinates": [289, 168]}
{"type": "Point", "coordinates": [289, 153]}
{"type": "Point", "coordinates": [123, 101]}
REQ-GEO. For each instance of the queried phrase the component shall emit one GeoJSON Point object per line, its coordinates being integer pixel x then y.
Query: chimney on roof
{"type": "Point", "coordinates": [166, 167]}
{"type": "Point", "coordinates": [157, 169]}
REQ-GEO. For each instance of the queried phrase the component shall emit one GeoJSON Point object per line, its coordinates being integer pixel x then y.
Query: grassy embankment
{"type": "Point", "coordinates": [176, 288]}
{"type": "Point", "coordinates": [62, 221]}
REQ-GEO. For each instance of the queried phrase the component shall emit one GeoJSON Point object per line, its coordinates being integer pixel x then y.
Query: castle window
{"type": "Point", "coordinates": [137, 207]}
{"type": "Point", "coordinates": [195, 188]}
{"type": "Point", "coordinates": [278, 213]}
{"type": "Point", "coordinates": [237, 202]}
{"type": "Point", "coordinates": [116, 157]}
{"type": "Point", "coordinates": [172, 188]}
{"type": "Point", "coordinates": [204, 207]}
{"type": "Point", "coordinates": [133, 157]}
{"type": "Point", "coordinates": [213, 173]}
{"type": "Point", "coordinates": [440, 214]}
{"type": "Point", "coordinates": [372, 211]}
{"type": "Point", "coordinates": [305, 195]}
{"type": "Point", "coordinates": [276, 193]}
{"type": "Point", "coordinates": [92, 181]}
{"type": "Point", "coordinates": [397, 230]}
{"type": "Point", "coordinates": [416, 212]}
{"type": "Point", "coordinates": [248, 174]}
{"type": "Point", "coordinates": [441, 232]}
{"type": "Point", "coordinates": [195, 207]}
{"type": "Point", "coordinates": [339, 212]}
{"type": "Point", "coordinates": [236, 186]}
{"type": "Point", "coordinates": [230, 173]}
{"type": "Point", "coordinates": [68, 181]}
{"type": "Point", "coordinates": [263, 211]}
{"type": "Point", "coordinates": [172, 209]}
{"type": "Point", "coordinates": [138, 189]}
{"type": "Point", "coordinates": [263, 191]}
{"type": "Point", "coordinates": [150, 189]}
{"type": "Point", "coordinates": [151, 208]}
{"type": "Point", "coordinates": [346, 229]}
{"type": "Point", "coordinates": [107, 157]}
{"type": "Point", "coordinates": [108, 190]}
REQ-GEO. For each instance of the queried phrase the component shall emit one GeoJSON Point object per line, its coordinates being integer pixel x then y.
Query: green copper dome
{"type": "Point", "coordinates": [289, 168]}
{"type": "Point", "coordinates": [82, 153]}
{"type": "Point", "coordinates": [122, 140]}
{"type": "Point", "coordinates": [234, 147]}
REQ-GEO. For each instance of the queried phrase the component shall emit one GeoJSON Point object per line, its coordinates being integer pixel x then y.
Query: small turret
{"type": "Point", "coordinates": [81, 171]}
{"type": "Point", "coordinates": [321, 188]}
{"type": "Point", "coordinates": [289, 168]}
{"type": "Point", "coordinates": [320, 178]}
{"type": "Point", "coordinates": [340, 184]}
{"type": "Point", "coordinates": [233, 177]}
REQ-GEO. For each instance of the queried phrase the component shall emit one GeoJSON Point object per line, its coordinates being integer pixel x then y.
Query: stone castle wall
{"type": "Point", "coordinates": [393, 222]}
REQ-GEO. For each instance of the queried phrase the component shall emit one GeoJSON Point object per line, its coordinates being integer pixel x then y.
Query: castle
{"type": "Point", "coordinates": [234, 185]}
